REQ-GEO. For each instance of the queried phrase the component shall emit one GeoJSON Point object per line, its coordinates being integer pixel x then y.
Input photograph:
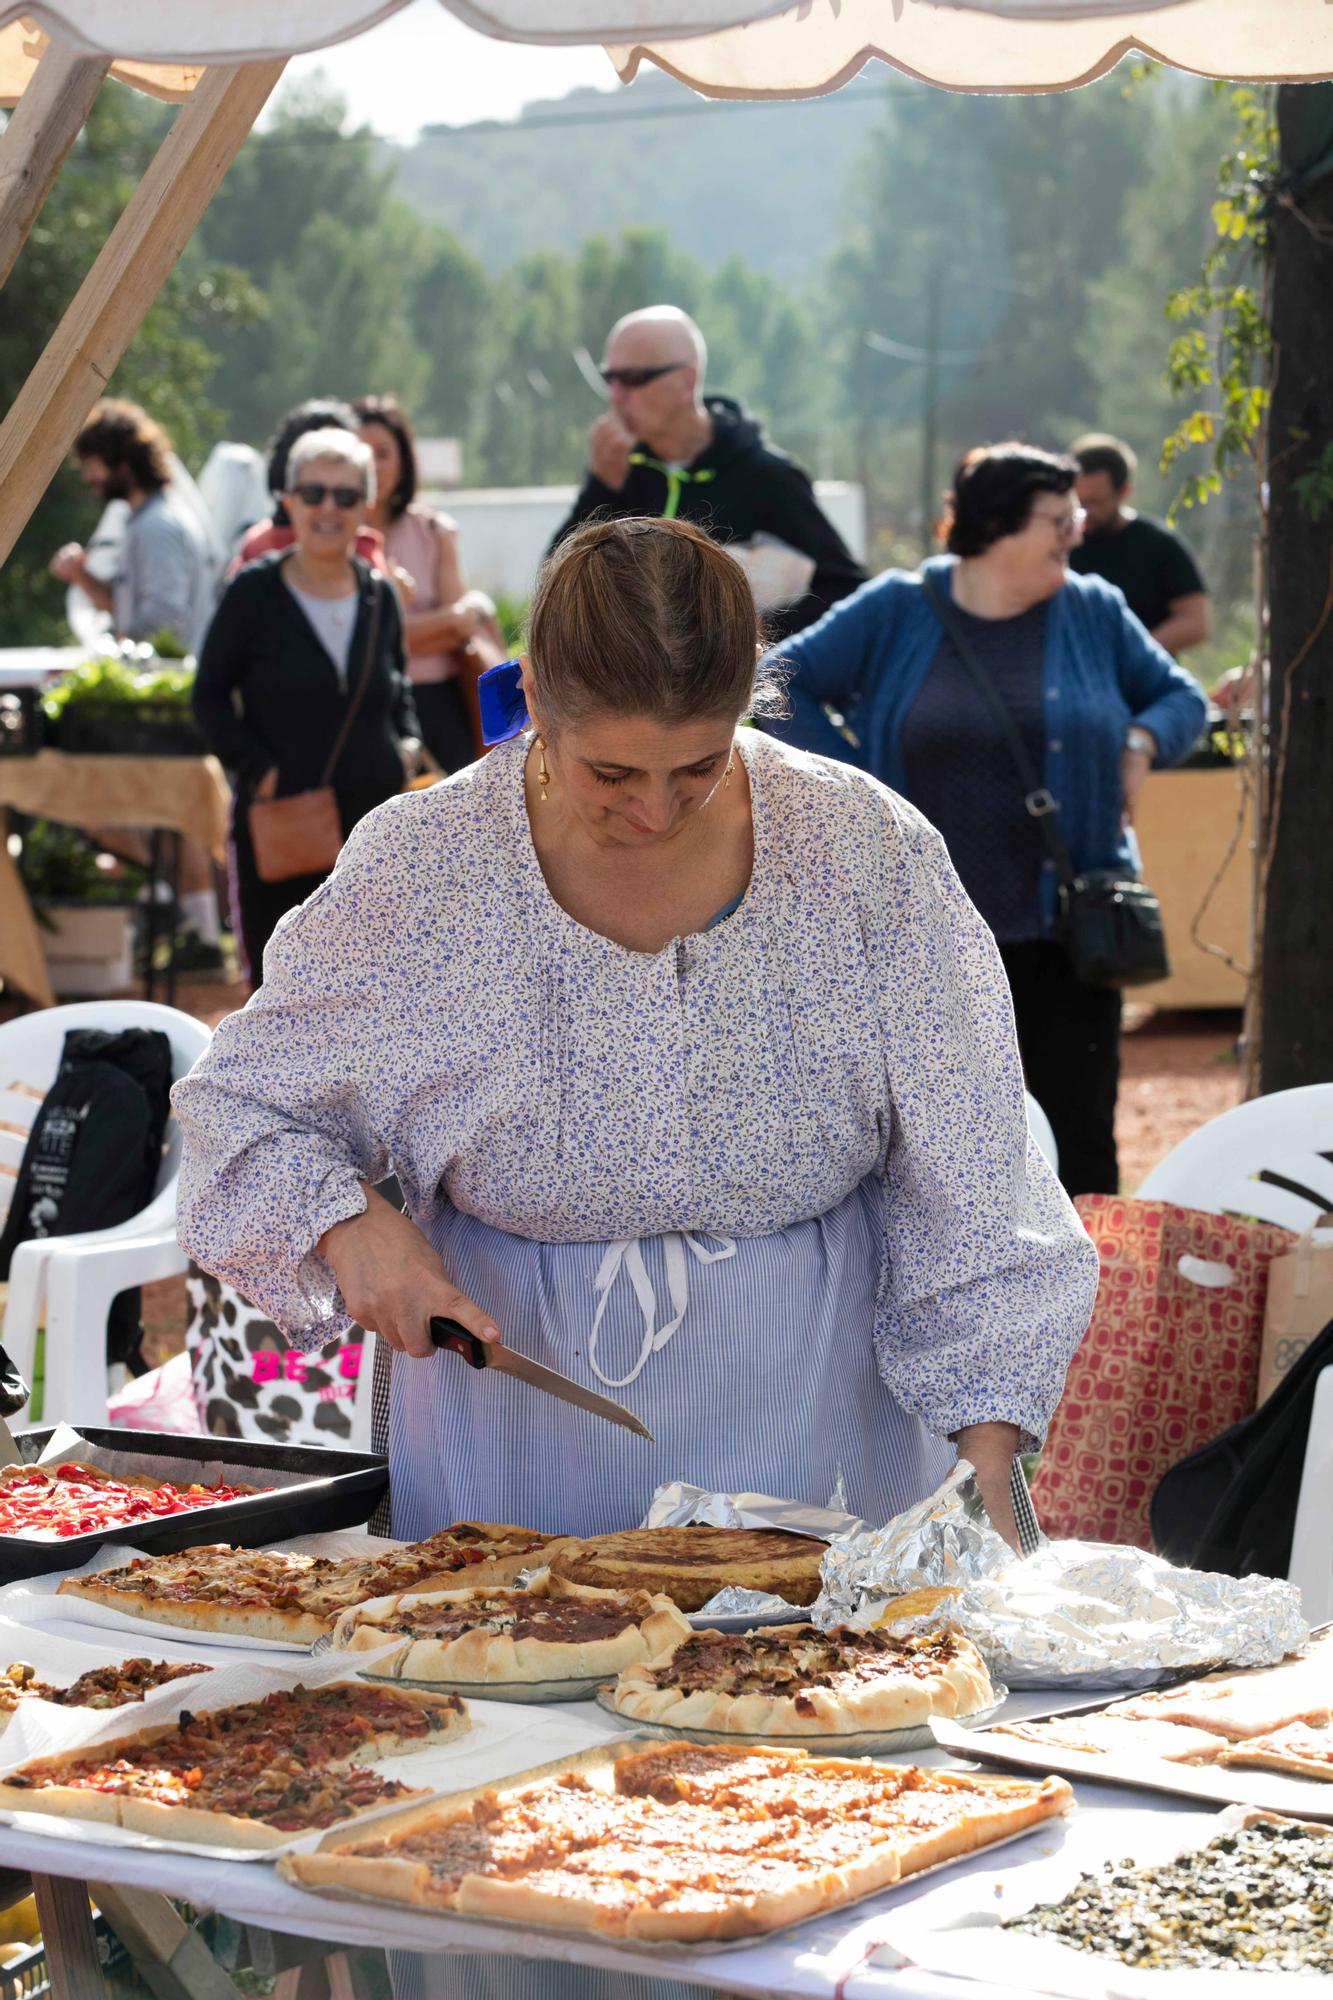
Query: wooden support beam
{"type": "Point", "coordinates": [130, 270]}
{"type": "Point", "coordinates": [173, 1960]}
{"type": "Point", "coordinates": [70, 1940]}
{"type": "Point", "coordinates": [42, 127]}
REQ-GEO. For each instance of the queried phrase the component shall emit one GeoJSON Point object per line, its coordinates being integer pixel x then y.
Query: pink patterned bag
{"type": "Point", "coordinates": [1170, 1360]}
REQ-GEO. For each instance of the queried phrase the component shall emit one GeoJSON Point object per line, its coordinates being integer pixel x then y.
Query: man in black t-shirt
{"type": "Point", "coordinates": [1153, 567]}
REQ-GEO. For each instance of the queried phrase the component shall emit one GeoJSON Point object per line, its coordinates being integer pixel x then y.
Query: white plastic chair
{"type": "Point", "coordinates": [1039, 1125]}
{"type": "Point", "coordinates": [80, 1275]}
{"type": "Point", "coordinates": [1273, 1159]}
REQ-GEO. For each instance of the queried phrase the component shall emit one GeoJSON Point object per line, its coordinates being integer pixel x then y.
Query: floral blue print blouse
{"type": "Point", "coordinates": [431, 1010]}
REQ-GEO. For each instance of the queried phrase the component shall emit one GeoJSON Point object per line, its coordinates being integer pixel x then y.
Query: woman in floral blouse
{"type": "Point", "coordinates": [697, 1070]}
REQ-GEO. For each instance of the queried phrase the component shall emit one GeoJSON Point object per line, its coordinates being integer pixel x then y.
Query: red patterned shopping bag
{"type": "Point", "coordinates": [1170, 1360]}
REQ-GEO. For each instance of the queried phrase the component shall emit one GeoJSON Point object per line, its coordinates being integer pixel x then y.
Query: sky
{"type": "Point", "coordinates": [423, 67]}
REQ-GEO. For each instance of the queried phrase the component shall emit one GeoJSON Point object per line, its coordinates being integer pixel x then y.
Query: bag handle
{"type": "Point", "coordinates": [1043, 808]}
{"type": "Point", "coordinates": [378, 587]}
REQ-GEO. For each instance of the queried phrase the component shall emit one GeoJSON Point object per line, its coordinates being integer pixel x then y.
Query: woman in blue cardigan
{"type": "Point", "coordinates": [1098, 703]}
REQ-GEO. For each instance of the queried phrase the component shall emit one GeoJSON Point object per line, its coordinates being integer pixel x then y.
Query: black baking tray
{"type": "Point", "coordinates": [339, 1489]}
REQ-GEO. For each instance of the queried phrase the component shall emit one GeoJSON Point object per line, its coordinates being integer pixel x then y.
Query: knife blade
{"type": "Point", "coordinates": [477, 1353]}
{"type": "Point", "coordinates": [9, 1451]}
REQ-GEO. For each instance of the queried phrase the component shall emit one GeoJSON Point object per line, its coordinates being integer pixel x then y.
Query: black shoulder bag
{"type": "Point", "coordinates": [1110, 922]}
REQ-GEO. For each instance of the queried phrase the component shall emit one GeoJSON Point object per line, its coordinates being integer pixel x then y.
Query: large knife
{"type": "Point", "coordinates": [490, 1354]}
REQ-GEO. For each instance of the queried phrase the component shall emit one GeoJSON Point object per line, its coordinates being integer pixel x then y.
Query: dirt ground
{"type": "Point", "coordinates": [1179, 1070]}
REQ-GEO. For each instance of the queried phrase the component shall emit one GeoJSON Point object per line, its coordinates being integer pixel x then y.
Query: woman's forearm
{"type": "Point", "coordinates": [439, 631]}
{"type": "Point", "coordinates": [990, 1448]}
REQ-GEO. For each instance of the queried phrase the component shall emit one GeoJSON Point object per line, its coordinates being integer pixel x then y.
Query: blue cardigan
{"type": "Point", "coordinates": [868, 656]}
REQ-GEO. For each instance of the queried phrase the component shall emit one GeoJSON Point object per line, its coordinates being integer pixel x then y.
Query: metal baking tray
{"type": "Point", "coordinates": [581, 1688]}
{"type": "Point", "coordinates": [470, 1927]}
{"type": "Point", "coordinates": [336, 1489]}
{"type": "Point", "coordinates": [1263, 1791]}
{"type": "Point", "coordinates": [855, 1743]}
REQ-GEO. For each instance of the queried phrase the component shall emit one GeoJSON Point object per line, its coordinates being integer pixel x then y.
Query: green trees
{"type": "Point", "coordinates": [884, 279]}
{"type": "Point", "coordinates": [169, 368]}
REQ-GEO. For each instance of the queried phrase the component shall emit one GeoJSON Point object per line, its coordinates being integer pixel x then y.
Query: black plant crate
{"type": "Point", "coordinates": [337, 1489]}
{"type": "Point", "coordinates": [95, 728]}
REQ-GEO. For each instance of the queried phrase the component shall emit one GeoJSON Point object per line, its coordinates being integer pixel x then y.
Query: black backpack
{"type": "Point", "coordinates": [95, 1151]}
{"type": "Point", "coordinates": [1231, 1505]}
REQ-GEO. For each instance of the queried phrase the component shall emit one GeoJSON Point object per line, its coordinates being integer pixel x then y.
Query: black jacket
{"type": "Point", "coordinates": [267, 693]}
{"type": "Point", "coordinates": [748, 488]}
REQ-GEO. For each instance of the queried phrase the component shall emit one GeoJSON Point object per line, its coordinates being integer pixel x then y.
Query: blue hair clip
{"type": "Point", "coordinates": [504, 712]}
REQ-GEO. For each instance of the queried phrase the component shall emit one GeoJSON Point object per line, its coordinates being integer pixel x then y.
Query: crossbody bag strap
{"type": "Point", "coordinates": [1036, 797]}
{"type": "Point", "coordinates": [367, 668]}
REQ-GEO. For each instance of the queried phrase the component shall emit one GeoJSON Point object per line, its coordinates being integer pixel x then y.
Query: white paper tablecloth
{"type": "Point", "coordinates": [820, 1959]}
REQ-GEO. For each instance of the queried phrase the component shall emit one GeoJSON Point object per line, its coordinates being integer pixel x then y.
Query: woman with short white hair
{"type": "Point", "coordinates": [300, 681]}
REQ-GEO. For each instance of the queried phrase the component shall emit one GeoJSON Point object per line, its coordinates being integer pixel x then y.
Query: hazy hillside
{"type": "Point", "coordinates": [594, 163]}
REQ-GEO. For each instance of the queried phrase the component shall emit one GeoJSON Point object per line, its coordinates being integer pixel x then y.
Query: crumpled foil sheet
{"type": "Point", "coordinates": [733, 1603]}
{"type": "Point", "coordinates": [1074, 1615]}
{"type": "Point", "coordinates": [677, 1504]}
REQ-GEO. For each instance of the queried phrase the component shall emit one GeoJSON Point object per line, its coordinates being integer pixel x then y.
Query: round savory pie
{"type": "Point", "coordinates": [497, 1637]}
{"type": "Point", "coordinates": [690, 1565]}
{"type": "Point", "coordinates": [794, 1680]}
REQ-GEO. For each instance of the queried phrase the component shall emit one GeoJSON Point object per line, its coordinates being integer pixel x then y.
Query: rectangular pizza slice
{"type": "Point", "coordinates": [250, 1775]}
{"type": "Point", "coordinates": [1301, 1748]}
{"type": "Point", "coordinates": [681, 1843]}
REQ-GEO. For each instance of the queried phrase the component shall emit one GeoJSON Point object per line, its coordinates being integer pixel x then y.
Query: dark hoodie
{"type": "Point", "coordinates": [737, 488]}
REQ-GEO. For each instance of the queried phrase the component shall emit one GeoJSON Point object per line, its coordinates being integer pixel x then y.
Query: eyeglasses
{"type": "Point", "coordinates": [313, 494]}
{"type": "Point", "coordinates": [1068, 527]}
{"type": "Point", "coordinates": [638, 378]}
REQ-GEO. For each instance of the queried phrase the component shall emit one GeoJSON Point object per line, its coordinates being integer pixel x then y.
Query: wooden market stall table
{"type": "Point", "coordinates": [173, 795]}
{"type": "Point", "coordinates": [825, 1957]}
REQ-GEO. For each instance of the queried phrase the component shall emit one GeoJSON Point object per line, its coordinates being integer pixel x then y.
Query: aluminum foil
{"type": "Point", "coordinates": [1074, 1615]}
{"type": "Point", "coordinates": [678, 1504]}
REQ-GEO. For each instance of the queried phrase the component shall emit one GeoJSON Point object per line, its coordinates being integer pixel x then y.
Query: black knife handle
{"type": "Point", "coordinates": [451, 1333]}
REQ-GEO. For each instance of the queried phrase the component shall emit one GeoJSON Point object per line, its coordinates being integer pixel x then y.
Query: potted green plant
{"type": "Point", "coordinates": [84, 903]}
{"type": "Point", "coordinates": [129, 702]}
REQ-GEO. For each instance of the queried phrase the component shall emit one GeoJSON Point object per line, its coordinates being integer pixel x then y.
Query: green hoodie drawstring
{"type": "Point", "coordinates": [675, 476]}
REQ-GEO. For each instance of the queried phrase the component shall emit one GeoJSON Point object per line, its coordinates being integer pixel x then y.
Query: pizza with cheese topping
{"type": "Point", "coordinates": [269, 1594]}
{"type": "Point", "coordinates": [680, 1843]}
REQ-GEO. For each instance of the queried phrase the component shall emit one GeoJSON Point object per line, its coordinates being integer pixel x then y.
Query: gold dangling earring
{"type": "Point", "coordinates": [731, 765]}
{"type": "Point", "coordinates": [543, 775]}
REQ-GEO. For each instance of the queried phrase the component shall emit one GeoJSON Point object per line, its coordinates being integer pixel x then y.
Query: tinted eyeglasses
{"type": "Point", "coordinates": [312, 493]}
{"type": "Point", "coordinates": [638, 378]}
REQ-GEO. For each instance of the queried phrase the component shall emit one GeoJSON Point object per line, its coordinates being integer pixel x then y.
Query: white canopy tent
{"type": "Point", "coordinates": [744, 47]}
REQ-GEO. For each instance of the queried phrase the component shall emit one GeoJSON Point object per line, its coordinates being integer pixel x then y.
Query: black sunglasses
{"type": "Point", "coordinates": [313, 494]}
{"type": "Point", "coordinates": [638, 378]}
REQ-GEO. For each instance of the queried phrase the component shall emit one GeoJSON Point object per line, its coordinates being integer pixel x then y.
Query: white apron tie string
{"type": "Point", "coordinates": [628, 1256]}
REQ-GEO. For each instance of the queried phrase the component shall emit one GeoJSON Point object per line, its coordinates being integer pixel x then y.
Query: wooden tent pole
{"type": "Point", "coordinates": [130, 270]}
{"type": "Point", "coordinates": [42, 127]}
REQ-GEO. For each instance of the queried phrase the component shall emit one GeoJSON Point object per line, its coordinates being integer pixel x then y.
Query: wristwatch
{"type": "Point", "coordinates": [1140, 739]}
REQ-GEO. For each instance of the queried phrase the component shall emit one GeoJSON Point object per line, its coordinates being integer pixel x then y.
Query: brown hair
{"type": "Point", "coordinates": [645, 617]}
{"type": "Point", "coordinates": [1098, 451]}
{"type": "Point", "coordinates": [389, 413]}
{"type": "Point", "coordinates": [127, 439]}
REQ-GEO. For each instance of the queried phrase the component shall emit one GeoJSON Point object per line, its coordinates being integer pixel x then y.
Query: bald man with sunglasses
{"type": "Point", "coordinates": [665, 448]}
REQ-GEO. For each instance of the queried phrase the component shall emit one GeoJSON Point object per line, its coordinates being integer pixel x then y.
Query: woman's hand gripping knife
{"type": "Point", "coordinates": [393, 1283]}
